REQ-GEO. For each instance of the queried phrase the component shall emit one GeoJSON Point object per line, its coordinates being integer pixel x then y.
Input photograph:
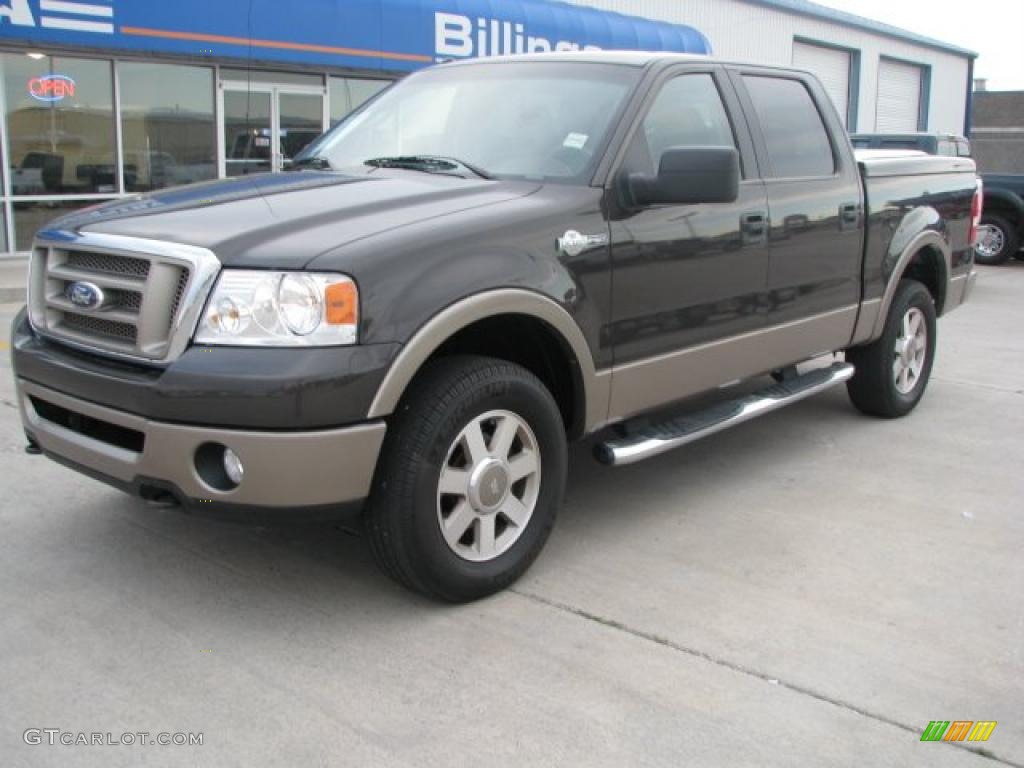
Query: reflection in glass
{"type": "Point", "coordinates": [348, 94]}
{"type": "Point", "coordinates": [60, 120]}
{"type": "Point", "coordinates": [167, 120]}
{"type": "Point", "coordinates": [247, 134]}
{"type": "Point", "coordinates": [301, 122]}
{"type": "Point", "coordinates": [30, 217]}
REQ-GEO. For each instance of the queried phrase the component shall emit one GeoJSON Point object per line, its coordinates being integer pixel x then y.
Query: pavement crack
{"type": "Point", "coordinates": [990, 387]}
{"type": "Point", "coordinates": [748, 671]}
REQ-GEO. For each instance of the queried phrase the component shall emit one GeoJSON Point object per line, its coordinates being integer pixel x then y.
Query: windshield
{"type": "Point", "coordinates": [534, 120]}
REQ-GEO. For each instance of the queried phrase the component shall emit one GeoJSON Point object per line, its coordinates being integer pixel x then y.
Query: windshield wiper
{"type": "Point", "coordinates": [428, 164]}
{"type": "Point", "coordinates": [313, 161]}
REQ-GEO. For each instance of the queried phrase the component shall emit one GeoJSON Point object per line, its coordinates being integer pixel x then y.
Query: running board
{"type": "Point", "coordinates": [682, 430]}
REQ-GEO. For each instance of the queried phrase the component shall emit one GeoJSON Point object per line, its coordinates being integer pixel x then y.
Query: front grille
{"type": "Point", "coordinates": [128, 300]}
{"type": "Point", "coordinates": [179, 293]}
{"type": "Point", "coordinates": [108, 264]}
{"type": "Point", "coordinates": [142, 294]}
{"type": "Point", "coordinates": [98, 326]}
{"type": "Point", "coordinates": [97, 429]}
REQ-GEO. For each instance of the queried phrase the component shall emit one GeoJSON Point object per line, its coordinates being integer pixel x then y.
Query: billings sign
{"type": "Point", "coordinates": [457, 36]}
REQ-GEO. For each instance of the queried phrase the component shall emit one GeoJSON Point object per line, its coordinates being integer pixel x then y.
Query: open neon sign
{"type": "Point", "coordinates": [51, 88]}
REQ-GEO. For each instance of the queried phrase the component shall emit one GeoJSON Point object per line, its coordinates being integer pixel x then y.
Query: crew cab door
{"type": "Point", "coordinates": [683, 275]}
{"type": "Point", "coordinates": [815, 205]}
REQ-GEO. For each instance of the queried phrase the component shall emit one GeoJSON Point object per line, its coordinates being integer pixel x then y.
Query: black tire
{"type": "Point", "coordinates": [1010, 241]}
{"type": "Point", "coordinates": [403, 520]}
{"type": "Point", "coordinates": [873, 388]}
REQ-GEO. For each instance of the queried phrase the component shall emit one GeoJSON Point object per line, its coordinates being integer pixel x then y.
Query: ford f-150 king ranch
{"type": "Point", "coordinates": [486, 261]}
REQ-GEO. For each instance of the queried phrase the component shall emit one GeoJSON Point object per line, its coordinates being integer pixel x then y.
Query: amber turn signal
{"type": "Point", "coordinates": [342, 303]}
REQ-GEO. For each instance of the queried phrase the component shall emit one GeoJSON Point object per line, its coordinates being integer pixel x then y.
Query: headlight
{"type": "Point", "coordinates": [280, 309]}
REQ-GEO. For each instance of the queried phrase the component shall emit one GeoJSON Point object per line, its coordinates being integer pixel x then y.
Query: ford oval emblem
{"type": "Point", "coordinates": [84, 295]}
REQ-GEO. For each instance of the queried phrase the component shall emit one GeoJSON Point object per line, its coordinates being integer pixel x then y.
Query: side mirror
{"type": "Point", "coordinates": [689, 175]}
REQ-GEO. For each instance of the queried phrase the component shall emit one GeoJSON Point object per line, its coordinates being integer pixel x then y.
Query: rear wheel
{"type": "Point", "coordinates": [471, 476]}
{"type": "Point", "coordinates": [998, 240]}
{"type": "Point", "coordinates": [892, 372]}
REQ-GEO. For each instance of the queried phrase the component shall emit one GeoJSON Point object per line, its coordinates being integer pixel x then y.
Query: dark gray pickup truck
{"type": "Point", "coordinates": [488, 260]}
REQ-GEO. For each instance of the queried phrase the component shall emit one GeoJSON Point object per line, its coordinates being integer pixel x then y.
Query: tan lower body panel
{"type": "Point", "coordinates": [658, 381]}
{"type": "Point", "coordinates": [960, 288]}
{"type": "Point", "coordinates": [282, 469]}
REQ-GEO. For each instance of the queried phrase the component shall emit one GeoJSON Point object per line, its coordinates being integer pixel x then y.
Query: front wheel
{"type": "Point", "coordinates": [470, 480]}
{"type": "Point", "coordinates": [892, 372]}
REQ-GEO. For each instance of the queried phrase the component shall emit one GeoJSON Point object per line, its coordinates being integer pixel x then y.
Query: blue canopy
{"type": "Point", "coordinates": [366, 34]}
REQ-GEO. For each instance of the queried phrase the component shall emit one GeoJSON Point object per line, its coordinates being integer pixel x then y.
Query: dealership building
{"type": "Point", "coordinates": [102, 99]}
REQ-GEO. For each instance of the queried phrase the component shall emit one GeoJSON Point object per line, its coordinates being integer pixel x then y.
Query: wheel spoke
{"type": "Point", "coordinates": [473, 438]}
{"type": "Point", "coordinates": [905, 379]}
{"type": "Point", "coordinates": [915, 323]}
{"type": "Point", "coordinates": [897, 368]}
{"type": "Point", "coordinates": [454, 481]}
{"type": "Point", "coordinates": [485, 535]}
{"type": "Point", "coordinates": [504, 435]}
{"type": "Point", "coordinates": [522, 465]}
{"type": "Point", "coordinates": [458, 521]}
{"type": "Point", "coordinates": [515, 511]}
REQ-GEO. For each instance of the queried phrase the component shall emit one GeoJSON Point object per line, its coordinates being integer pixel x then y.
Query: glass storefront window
{"type": "Point", "coordinates": [349, 93]}
{"type": "Point", "coordinates": [167, 125]}
{"type": "Point", "coordinates": [60, 124]}
{"type": "Point", "coordinates": [30, 217]}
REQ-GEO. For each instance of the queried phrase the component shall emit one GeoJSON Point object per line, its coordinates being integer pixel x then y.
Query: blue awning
{"type": "Point", "coordinates": [366, 34]}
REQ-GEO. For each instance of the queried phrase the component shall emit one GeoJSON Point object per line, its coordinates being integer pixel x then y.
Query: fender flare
{"type": "Point", "coordinates": [927, 239]}
{"type": "Point", "coordinates": [596, 387]}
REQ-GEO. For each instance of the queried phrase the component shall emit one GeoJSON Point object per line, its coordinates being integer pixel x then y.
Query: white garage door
{"type": "Point", "coordinates": [833, 69]}
{"type": "Point", "coordinates": [899, 97]}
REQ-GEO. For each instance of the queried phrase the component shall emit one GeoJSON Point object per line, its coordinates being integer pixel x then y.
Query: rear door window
{"type": "Point", "coordinates": [798, 144]}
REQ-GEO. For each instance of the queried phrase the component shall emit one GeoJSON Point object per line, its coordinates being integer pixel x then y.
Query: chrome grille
{"type": "Point", "coordinates": [98, 326]}
{"type": "Point", "coordinates": [107, 264]}
{"type": "Point", "coordinates": [150, 292]}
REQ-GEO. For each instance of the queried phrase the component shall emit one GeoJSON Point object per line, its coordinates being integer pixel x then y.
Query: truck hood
{"type": "Point", "coordinates": [286, 220]}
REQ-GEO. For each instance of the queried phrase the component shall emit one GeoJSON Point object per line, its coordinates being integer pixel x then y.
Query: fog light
{"type": "Point", "coordinates": [233, 467]}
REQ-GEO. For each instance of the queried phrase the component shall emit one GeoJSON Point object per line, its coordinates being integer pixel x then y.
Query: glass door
{"type": "Point", "coordinates": [248, 131]}
{"type": "Point", "coordinates": [300, 119]}
{"type": "Point", "coordinates": [265, 125]}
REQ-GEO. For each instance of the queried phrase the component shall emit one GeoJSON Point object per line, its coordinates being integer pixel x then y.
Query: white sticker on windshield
{"type": "Point", "coordinates": [575, 140]}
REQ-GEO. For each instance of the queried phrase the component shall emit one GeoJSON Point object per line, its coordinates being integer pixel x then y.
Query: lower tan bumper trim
{"type": "Point", "coordinates": [282, 469]}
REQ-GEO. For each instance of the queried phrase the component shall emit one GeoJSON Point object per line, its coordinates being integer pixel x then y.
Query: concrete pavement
{"type": "Point", "coordinates": [13, 276]}
{"type": "Point", "coordinates": [811, 588]}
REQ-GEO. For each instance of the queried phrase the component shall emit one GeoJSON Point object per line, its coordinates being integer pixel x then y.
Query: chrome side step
{"type": "Point", "coordinates": [682, 430]}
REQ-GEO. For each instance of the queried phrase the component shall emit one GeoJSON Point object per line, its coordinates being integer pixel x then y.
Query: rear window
{"type": "Point", "coordinates": [798, 143]}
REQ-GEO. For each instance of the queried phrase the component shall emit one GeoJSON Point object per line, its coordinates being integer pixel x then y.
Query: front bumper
{"type": "Point", "coordinates": [235, 387]}
{"type": "Point", "coordinates": [322, 469]}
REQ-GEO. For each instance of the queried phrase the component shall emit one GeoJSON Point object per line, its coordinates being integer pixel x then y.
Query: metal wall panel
{"type": "Point", "coordinates": [747, 31]}
{"type": "Point", "coordinates": [832, 66]}
{"type": "Point", "coordinates": [898, 108]}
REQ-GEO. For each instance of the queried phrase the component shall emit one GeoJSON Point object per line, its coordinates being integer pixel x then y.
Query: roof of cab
{"type": "Point", "coordinates": [627, 58]}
